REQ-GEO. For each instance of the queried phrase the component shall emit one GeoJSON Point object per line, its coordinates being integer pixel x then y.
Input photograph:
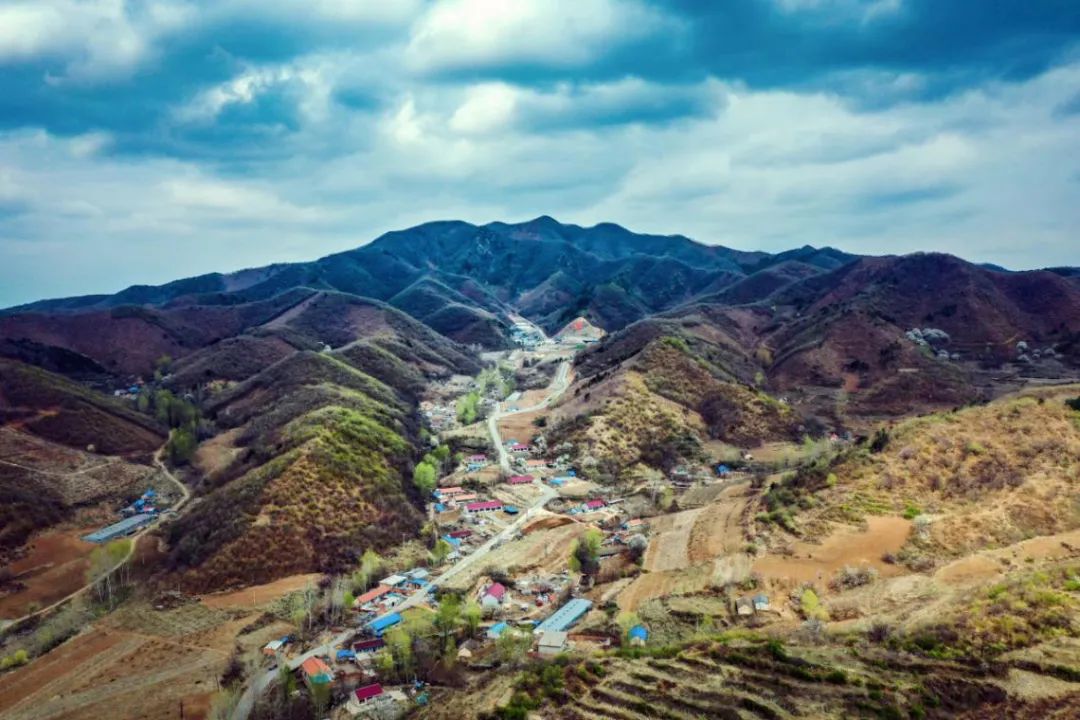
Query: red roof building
{"type": "Point", "coordinates": [519, 448]}
{"type": "Point", "coordinates": [368, 692]}
{"type": "Point", "coordinates": [373, 594]}
{"type": "Point", "coordinates": [464, 533]}
{"type": "Point", "coordinates": [520, 479]}
{"type": "Point", "coordinates": [369, 645]}
{"type": "Point", "coordinates": [595, 504]}
{"type": "Point", "coordinates": [449, 491]}
{"type": "Point", "coordinates": [316, 671]}
{"type": "Point", "coordinates": [483, 506]}
{"type": "Point", "coordinates": [497, 591]}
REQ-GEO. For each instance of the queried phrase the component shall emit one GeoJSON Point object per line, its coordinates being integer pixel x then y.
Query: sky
{"type": "Point", "coordinates": [146, 140]}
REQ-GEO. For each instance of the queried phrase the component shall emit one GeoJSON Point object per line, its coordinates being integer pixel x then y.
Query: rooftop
{"type": "Point", "coordinates": [367, 692]}
{"type": "Point", "coordinates": [567, 615]}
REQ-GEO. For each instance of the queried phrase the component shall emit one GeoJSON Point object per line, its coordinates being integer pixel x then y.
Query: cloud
{"type": "Point", "coordinates": [145, 140]}
{"type": "Point", "coordinates": [92, 41]}
{"type": "Point", "coordinates": [479, 35]}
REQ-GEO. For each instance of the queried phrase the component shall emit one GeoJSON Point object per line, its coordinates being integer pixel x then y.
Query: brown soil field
{"type": "Point", "coordinates": [864, 548]}
{"type": "Point", "coordinates": [125, 676]}
{"type": "Point", "coordinates": [135, 663]}
{"type": "Point", "coordinates": [257, 595]}
{"type": "Point", "coordinates": [520, 427]}
{"type": "Point", "coordinates": [532, 397]}
{"type": "Point", "coordinates": [692, 549]}
{"type": "Point", "coordinates": [670, 538]}
{"type": "Point", "coordinates": [718, 529]}
{"type": "Point", "coordinates": [54, 568]}
{"type": "Point", "coordinates": [544, 551]}
{"type": "Point", "coordinates": [217, 453]}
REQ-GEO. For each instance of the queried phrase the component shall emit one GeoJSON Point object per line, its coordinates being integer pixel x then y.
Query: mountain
{"type": "Point", "coordinates": [458, 278]}
{"type": "Point", "coordinates": [307, 375]}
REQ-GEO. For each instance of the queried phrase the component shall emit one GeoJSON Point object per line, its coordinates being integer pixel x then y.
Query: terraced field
{"type": "Point", "coordinates": [717, 680]}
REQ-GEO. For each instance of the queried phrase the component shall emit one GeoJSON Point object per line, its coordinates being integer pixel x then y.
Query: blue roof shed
{"type": "Point", "coordinates": [384, 623]}
{"type": "Point", "coordinates": [638, 632]}
{"type": "Point", "coordinates": [566, 616]}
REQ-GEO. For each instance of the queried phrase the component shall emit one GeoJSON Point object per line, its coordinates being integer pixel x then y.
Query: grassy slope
{"type": "Point", "coordinates": [657, 391]}
{"type": "Point", "coordinates": [988, 476]}
{"type": "Point", "coordinates": [57, 409]}
{"type": "Point", "coordinates": [327, 444]}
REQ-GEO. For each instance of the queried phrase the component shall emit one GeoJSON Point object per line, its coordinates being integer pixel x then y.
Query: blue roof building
{"type": "Point", "coordinates": [454, 542]}
{"type": "Point", "coordinates": [639, 633]}
{"type": "Point", "coordinates": [496, 630]}
{"type": "Point", "coordinates": [384, 623]}
{"type": "Point", "coordinates": [119, 529]}
{"type": "Point", "coordinates": [567, 615]}
{"type": "Point", "coordinates": [439, 507]}
{"type": "Point", "coordinates": [510, 510]}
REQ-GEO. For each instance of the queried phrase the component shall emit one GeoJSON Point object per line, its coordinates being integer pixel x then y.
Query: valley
{"type": "Point", "coordinates": [548, 471]}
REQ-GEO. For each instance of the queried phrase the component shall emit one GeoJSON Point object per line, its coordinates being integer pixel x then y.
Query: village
{"type": "Point", "coordinates": [524, 540]}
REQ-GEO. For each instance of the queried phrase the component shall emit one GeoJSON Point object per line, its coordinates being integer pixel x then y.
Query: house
{"type": "Point", "coordinates": [393, 580]}
{"type": "Point", "coordinates": [744, 606]}
{"type": "Point", "coordinates": [520, 480]}
{"type": "Point", "coordinates": [592, 505]}
{"type": "Point", "coordinates": [536, 464]}
{"type": "Point", "coordinates": [477, 458]}
{"type": "Point", "coordinates": [559, 481]}
{"type": "Point", "coordinates": [761, 602]}
{"type": "Point", "coordinates": [448, 492]}
{"type": "Point", "coordinates": [316, 672]}
{"type": "Point", "coordinates": [384, 623]}
{"type": "Point", "coordinates": [272, 647]}
{"type": "Point", "coordinates": [567, 615]}
{"type": "Point", "coordinates": [520, 448]}
{"type": "Point", "coordinates": [636, 524]}
{"type": "Point", "coordinates": [461, 534]}
{"type": "Point", "coordinates": [454, 542]}
{"type": "Point", "coordinates": [485, 506]}
{"type": "Point", "coordinates": [371, 595]}
{"type": "Point", "coordinates": [552, 642]}
{"type": "Point", "coordinates": [361, 699]}
{"type": "Point", "coordinates": [510, 510]}
{"type": "Point", "coordinates": [638, 635]}
{"type": "Point", "coordinates": [417, 574]}
{"type": "Point", "coordinates": [345, 656]}
{"type": "Point", "coordinates": [496, 630]}
{"type": "Point", "coordinates": [368, 646]}
{"type": "Point", "coordinates": [493, 596]}
{"type": "Point", "coordinates": [368, 692]}
{"type": "Point", "coordinates": [466, 498]}
{"type": "Point", "coordinates": [723, 470]}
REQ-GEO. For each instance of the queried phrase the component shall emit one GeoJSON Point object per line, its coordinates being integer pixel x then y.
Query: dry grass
{"type": "Point", "coordinates": [986, 476]}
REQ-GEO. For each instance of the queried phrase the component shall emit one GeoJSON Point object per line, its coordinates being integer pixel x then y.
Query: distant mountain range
{"type": "Point", "coordinates": [462, 280]}
{"type": "Point", "coordinates": [308, 374]}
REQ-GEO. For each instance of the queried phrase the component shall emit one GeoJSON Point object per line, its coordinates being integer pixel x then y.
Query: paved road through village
{"type": "Point", "coordinates": [558, 387]}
